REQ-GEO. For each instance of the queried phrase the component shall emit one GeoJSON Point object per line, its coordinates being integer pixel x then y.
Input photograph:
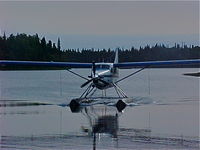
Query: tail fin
{"type": "Point", "coordinates": [116, 56]}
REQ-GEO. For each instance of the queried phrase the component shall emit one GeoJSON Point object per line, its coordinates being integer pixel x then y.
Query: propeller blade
{"type": "Point", "coordinates": [93, 68]}
{"type": "Point", "coordinates": [86, 83]}
{"type": "Point", "coordinates": [103, 81]}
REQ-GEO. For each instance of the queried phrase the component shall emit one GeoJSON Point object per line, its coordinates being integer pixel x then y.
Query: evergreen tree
{"type": "Point", "coordinates": [43, 42]}
{"type": "Point", "coordinates": [49, 45]}
{"type": "Point", "coordinates": [58, 44]}
{"type": "Point", "coordinates": [4, 36]}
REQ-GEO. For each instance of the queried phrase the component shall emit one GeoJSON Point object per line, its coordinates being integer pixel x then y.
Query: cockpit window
{"type": "Point", "coordinates": [102, 67]}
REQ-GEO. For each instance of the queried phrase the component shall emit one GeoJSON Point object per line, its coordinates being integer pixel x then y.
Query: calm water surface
{"type": "Point", "coordinates": [167, 115]}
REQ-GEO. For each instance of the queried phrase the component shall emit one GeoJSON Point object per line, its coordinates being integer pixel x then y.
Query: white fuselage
{"type": "Point", "coordinates": [107, 73]}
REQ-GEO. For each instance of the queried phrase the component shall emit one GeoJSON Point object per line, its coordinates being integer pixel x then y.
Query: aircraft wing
{"type": "Point", "coordinates": [126, 65]}
{"type": "Point", "coordinates": [47, 64]}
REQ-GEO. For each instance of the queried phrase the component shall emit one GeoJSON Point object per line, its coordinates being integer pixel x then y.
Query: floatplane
{"type": "Point", "coordinates": [103, 75]}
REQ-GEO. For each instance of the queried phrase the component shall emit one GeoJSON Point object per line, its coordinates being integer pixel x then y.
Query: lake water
{"type": "Point", "coordinates": [32, 114]}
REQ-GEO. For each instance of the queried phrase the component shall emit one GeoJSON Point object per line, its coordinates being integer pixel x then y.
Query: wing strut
{"type": "Point", "coordinates": [131, 74]}
{"type": "Point", "coordinates": [77, 74]}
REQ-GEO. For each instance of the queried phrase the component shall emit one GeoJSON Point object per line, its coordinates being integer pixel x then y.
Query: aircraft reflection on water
{"type": "Point", "coordinates": [103, 117]}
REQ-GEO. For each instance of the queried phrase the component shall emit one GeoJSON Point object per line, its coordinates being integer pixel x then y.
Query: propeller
{"type": "Point", "coordinates": [86, 83]}
{"type": "Point", "coordinates": [93, 78]}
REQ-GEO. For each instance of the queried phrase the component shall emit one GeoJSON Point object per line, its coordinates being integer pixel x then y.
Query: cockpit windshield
{"type": "Point", "coordinates": [102, 67]}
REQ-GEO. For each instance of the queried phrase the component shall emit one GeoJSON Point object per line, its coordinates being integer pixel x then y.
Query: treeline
{"type": "Point", "coordinates": [31, 47]}
{"type": "Point", "coordinates": [23, 47]}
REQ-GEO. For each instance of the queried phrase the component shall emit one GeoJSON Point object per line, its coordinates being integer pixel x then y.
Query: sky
{"type": "Point", "coordinates": [104, 24]}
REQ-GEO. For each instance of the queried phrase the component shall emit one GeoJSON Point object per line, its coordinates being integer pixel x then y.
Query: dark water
{"type": "Point", "coordinates": [34, 112]}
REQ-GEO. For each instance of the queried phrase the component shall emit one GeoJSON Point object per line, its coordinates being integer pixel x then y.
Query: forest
{"type": "Point", "coordinates": [31, 47]}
